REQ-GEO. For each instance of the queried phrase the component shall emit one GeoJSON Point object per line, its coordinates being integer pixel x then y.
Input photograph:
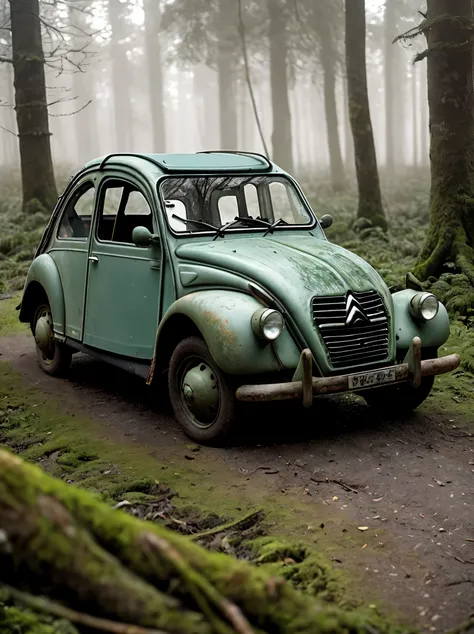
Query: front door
{"type": "Point", "coordinates": [70, 250]}
{"type": "Point", "coordinates": [123, 288]}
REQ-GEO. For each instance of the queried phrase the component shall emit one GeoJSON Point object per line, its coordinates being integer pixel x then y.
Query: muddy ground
{"type": "Point", "coordinates": [339, 466]}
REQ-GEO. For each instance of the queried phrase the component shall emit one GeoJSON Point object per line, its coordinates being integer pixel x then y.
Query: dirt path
{"type": "Point", "coordinates": [409, 481]}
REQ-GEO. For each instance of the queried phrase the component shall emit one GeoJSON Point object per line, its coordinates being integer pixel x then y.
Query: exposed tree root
{"type": "Point", "coordinates": [64, 544]}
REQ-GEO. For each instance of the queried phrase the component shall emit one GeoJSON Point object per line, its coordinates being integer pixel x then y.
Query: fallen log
{"type": "Point", "coordinates": [65, 545]}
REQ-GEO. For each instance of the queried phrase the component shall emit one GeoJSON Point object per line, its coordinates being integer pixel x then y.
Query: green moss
{"type": "Point", "coordinates": [14, 620]}
{"type": "Point", "coordinates": [9, 323]}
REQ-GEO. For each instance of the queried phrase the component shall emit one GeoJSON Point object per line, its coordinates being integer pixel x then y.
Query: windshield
{"type": "Point", "coordinates": [199, 203]}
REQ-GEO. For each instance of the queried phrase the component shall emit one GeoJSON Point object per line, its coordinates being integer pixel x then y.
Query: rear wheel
{"type": "Point", "coordinates": [402, 397]}
{"type": "Point", "coordinates": [399, 398]}
{"type": "Point", "coordinates": [201, 395]}
{"type": "Point", "coordinates": [53, 356]}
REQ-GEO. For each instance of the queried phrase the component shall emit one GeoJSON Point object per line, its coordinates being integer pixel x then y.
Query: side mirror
{"type": "Point", "coordinates": [142, 237]}
{"type": "Point", "coordinates": [326, 221]}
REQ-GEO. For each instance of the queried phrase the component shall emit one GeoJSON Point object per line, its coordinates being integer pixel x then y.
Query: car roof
{"type": "Point", "coordinates": [202, 162]}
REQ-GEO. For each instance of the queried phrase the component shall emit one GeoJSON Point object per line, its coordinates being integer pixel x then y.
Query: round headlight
{"type": "Point", "coordinates": [267, 323]}
{"type": "Point", "coordinates": [424, 306]}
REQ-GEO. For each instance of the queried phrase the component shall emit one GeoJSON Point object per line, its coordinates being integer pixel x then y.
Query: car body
{"type": "Point", "coordinates": [212, 269]}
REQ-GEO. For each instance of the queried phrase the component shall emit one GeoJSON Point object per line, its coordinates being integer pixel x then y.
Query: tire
{"type": "Point", "coordinates": [54, 357]}
{"type": "Point", "coordinates": [401, 398]}
{"type": "Point", "coordinates": [205, 417]}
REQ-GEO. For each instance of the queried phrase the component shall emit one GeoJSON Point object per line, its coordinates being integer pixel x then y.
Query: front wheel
{"type": "Point", "coordinates": [53, 356]}
{"type": "Point", "coordinates": [201, 395]}
{"type": "Point", "coordinates": [399, 398]}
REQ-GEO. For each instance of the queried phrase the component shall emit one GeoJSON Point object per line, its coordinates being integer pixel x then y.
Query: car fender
{"type": "Point", "coordinates": [432, 333]}
{"type": "Point", "coordinates": [44, 272]}
{"type": "Point", "coordinates": [223, 318]}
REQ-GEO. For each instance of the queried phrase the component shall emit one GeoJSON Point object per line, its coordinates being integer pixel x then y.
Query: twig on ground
{"type": "Point", "coordinates": [254, 516]}
{"type": "Point", "coordinates": [345, 486]}
{"type": "Point", "coordinates": [42, 604]}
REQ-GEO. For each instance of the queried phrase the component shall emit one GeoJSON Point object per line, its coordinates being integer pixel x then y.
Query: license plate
{"type": "Point", "coordinates": [371, 379]}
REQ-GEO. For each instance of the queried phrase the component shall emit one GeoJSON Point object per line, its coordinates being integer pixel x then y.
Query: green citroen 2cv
{"type": "Point", "coordinates": [213, 270]}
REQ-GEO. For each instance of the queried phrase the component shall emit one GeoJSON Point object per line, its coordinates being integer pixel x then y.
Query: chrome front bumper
{"type": "Point", "coordinates": [305, 386]}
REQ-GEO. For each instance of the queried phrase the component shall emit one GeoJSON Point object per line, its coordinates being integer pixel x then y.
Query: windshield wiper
{"type": "Point", "coordinates": [277, 223]}
{"type": "Point", "coordinates": [241, 220]}
{"type": "Point", "coordinates": [200, 223]}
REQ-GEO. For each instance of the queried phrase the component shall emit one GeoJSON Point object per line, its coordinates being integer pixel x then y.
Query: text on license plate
{"type": "Point", "coordinates": [370, 379]}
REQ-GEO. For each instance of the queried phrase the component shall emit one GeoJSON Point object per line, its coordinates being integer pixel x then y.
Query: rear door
{"type": "Point", "coordinates": [123, 288]}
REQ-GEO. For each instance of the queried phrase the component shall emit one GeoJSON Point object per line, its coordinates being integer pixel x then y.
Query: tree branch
{"type": "Point", "coordinates": [6, 60]}
{"type": "Point", "coordinates": [249, 81]}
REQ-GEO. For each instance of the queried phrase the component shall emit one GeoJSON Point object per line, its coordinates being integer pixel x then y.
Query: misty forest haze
{"type": "Point", "coordinates": [115, 62]}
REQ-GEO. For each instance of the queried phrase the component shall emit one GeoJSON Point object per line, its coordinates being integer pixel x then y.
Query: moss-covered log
{"type": "Point", "coordinates": [64, 543]}
{"type": "Point", "coordinates": [449, 31]}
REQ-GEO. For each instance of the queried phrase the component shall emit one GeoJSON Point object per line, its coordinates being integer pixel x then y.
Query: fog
{"type": "Point", "coordinates": [169, 76]}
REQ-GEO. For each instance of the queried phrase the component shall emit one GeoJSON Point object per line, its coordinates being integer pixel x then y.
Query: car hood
{"type": "Point", "coordinates": [291, 266]}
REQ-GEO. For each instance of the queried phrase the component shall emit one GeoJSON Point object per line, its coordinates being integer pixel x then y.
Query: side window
{"type": "Point", "coordinates": [251, 200]}
{"type": "Point", "coordinates": [286, 204]}
{"type": "Point", "coordinates": [77, 215]}
{"type": "Point", "coordinates": [122, 208]}
{"type": "Point", "coordinates": [228, 209]}
{"type": "Point", "coordinates": [176, 208]}
{"type": "Point", "coordinates": [281, 203]}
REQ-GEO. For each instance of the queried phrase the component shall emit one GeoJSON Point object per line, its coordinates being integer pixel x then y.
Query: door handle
{"type": "Point", "coordinates": [93, 258]}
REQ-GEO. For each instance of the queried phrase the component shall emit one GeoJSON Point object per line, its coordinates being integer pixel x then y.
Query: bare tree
{"type": "Point", "coordinates": [120, 79]}
{"type": "Point", "coordinates": [282, 134]}
{"type": "Point", "coordinates": [31, 104]}
{"type": "Point", "coordinates": [370, 198]}
{"type": "Point", "coordinates": [227, 74]}
{"type": "Point", "coordinates": [155, 72]}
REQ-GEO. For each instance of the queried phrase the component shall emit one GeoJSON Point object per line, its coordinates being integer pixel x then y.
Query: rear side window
{"type": "Point", "coordinates": [77, 215]}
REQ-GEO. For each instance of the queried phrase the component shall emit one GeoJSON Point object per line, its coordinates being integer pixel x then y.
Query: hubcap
{"type": "Point", "coordinates": [200, 393]}
{"type": "Point", "coordinates": [44, 336]}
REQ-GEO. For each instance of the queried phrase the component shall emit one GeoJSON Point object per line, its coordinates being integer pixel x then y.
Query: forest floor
{"type": "Point", "coordinates": [319, 476]}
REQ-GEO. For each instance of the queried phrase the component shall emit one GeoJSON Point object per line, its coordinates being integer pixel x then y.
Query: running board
{"type": "Point", "coordinates": [137, 368]}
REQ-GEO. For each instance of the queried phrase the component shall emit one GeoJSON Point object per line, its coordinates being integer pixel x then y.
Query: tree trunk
{"type": "Point", "coordinates": [9, 139]}
{"type": "Point", "coordinates": [31, 105]}
{"type": "Point", "coordinates": [450, 235]}
{"type": "Point", "coordinates": [282, 141]}
{"type": "Point", "coordinates": [348, 138]}
{"type": "Point", "coordinates": [370, 198]}
{"type": "Point", "coordinates": [205, 90]}
{"type": "Point", "coordinates": [424, 121]}
{"type": "Point", "coordinates": [415, 110]}
{"type": "Point", "coordinates": [328, 62]}
{"type": "Point", "coordinates": [227, 76]}
{"type": "Point", "coordinates": [94, 562]}
{"type": "Point", "coordinates": [120, 80]}
{"type": "Point", "coordinates": [390, 61]}
{"type": "Point", "coordinates": [85, 123]}
{"type": "Point", "coordinates": [155, 73]}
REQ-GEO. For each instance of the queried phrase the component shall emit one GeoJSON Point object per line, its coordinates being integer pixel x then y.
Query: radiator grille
{"type": "Point", "coordinates": [354, 327]}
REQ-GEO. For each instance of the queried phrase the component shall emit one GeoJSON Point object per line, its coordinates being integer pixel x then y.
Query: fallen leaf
{"type": "Point", "coordinates": [363, 528]}
{"type": "Point", "coordinates": [335, 498]}
{"type": "Point", "coordinates": [421, 515]}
